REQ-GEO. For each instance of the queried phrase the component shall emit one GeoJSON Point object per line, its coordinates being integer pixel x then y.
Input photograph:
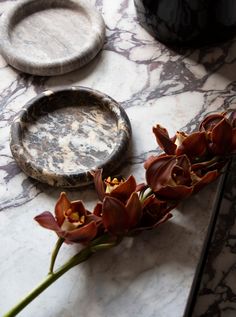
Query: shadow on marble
{"type": "Point", "coordinates": [128, 268]}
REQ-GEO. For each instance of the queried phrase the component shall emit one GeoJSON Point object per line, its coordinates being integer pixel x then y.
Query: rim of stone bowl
{"type": "Point", "coordinates": [74, 179]}
{"type": "Point", "coordinates": [57, 66]}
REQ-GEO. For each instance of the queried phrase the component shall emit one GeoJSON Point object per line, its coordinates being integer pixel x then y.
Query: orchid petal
{"type": "Point", "coordinates": [98, 210]}
{"type": "Point", "coordinates": [178, 192]}
{"type": "Point", "coordinates": [163, 220]}
{"type": "Point", "coordinates": [221, 137]}
{"type": "Point", "coordinates": [206, 179]}
{"type": "Point", "coordinates": [99, 185]}
{"type": "Point", "coordinates": [210, 121]}
{"type": "Point", "coordinates": [124, 190]}
{"type": "Point", "coordinates": [78, 207]}
{"type": "Point", "coordinates": [164, 140]}
{"type": "Point", "coordinates": [115, 217]}
{"type": "Point", "coordinates": [159, 171]}
{"type": "Point", "coordinates": [83, 234]}
{"type": "Point", "coordinates": [149, 161]}
{"type": "Point", "coordinates": [134, 210]}
{"type": "Point", "coordinates": [47, 220]}
{"type": "Point", "coordinates": [233, 147]}
{"type": "Point", "coordinates": [193, 145]}
{"type": "Point", "coordinates": [62, 205]}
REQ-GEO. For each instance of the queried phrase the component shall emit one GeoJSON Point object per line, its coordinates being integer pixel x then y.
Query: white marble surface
{"type": "Point", "coordinates": [150, 275]}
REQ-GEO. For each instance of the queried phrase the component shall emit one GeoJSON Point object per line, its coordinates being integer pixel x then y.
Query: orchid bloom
{"type": "Point", "coordinates": [119, 188]}
{"type": "Point", "coordinates": [72, 221]}
{"type": "Point", "coordinates": [169, 176]}
{"type": "Point", "coordinates": [154, 213]}
{"type": "Point", "coordinates": [193, 145]}
{"type": "Point", "coordinates": [219, 132]}
{"type": "Point", "coordinates": [134, 216]}
{"type": "Point", "coordinates": [216, 136]}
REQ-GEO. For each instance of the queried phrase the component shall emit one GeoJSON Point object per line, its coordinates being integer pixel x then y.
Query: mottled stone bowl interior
{"type": "Point", "coordinates": [62, 135]}
{"type": "Point", "coordinates": [51, 37]}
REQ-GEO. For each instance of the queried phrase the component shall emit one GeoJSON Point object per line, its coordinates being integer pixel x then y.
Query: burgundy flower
{"type": "Point", "coordinates": [193, 145]}
{"type": "Point", "coordinates": [154, 213]}
{"type": "Point", "coordinates": [72, 222]}
{"type": "Point", "coordinates": [169, 177]}
{"type": "Point", "coordinates": [219, 133]}
{"type": "Point", "coordinates": [119, 218]}
{"type": "Point", "coordinates": [117, 187]}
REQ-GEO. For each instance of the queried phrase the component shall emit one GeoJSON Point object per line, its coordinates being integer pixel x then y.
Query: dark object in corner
{"type": "Point", "coordinates": [188, 22]}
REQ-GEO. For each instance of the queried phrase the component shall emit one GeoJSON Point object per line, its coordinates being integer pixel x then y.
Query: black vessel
{"type": "Point", "coordinates": [188, 21]}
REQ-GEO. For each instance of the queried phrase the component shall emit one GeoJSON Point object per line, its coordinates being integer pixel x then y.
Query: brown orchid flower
{"type": "Point", "coordinates": [72, 221]}
{"type": "Point", "coordinates": [117, 187]}
{"type": "Point", "coordinates": [193, 145]}
{"type": "Point", "coordinates": [220, 134]}
{"type": "Point", "coordinates": [119, 218]}
{"type": "Point", "coordinates": [134, 216]}
{"type": "Point", "coordinates": [169, 177]}
{"type": "Point", "coordinates": [154, 213]}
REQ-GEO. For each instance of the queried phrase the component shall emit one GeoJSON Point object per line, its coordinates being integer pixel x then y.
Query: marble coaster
{"type": "Point", "coordinates": [51, 37]}
{"type": "Point", "coordinates": [61, 135]}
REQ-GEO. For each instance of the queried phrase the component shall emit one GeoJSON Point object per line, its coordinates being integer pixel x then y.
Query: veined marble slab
{"type": "Point", "coordinates": [150, 275]}
{"type": "Point", "coordinates": [51, 37]}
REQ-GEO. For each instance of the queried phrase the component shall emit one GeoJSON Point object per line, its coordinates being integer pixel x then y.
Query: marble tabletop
{"type": "Point", "coordinates": [150, 275]}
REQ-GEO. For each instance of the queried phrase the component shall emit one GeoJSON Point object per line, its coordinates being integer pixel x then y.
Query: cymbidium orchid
{"type": "Point", "coordinates": [189, 163]}
{"type": "Point", "coordinates": [73, 222]}
{"type": "Point", "coordinates": [117, 187]}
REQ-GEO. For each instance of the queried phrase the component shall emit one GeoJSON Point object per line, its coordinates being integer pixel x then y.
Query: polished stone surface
{"type": "Point", "coordinates": [51, 37]}
{"type": "Point", "coordinates": [62, 135]}
{"type": "Point", "coordinates": [150, 275]}
{"type": "Point", "coordinates": [217, 292]}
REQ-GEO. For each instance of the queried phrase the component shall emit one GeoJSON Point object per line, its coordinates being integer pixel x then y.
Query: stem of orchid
{"type": "Point", "coordinates": [82, 256]}
{"type": "Point", "coordinates": [55, 253]}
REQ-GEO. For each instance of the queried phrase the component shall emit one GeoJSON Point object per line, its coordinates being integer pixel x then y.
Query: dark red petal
{"type": "Point", "coordinates": [141, 187]}
{"type": "Point", "coordinates": [178, 192]}
{"type": "Point", "coordinates": [98, 210]}
{"type": "Point", "coordinates": [221, 137]}
{"type": "Point", "coordinates": [210, 121]}
{"type": "Point", "coordinates": [47, 220]}
{"type": "Point", "coordinates": [206, 179]}
{"type": "Point", "coordinates": [233, 147]}
{"type": "Point", "coordinates": [83, 234]}
{"type": "Point", "coordinates": [99, 184]}
{"type": "Point", "coordinates": [163, 220]}
{"type": "Point", "coordinates": [194, 145]}
{"type": "Point", "coordinates": [164, 140]}
{"type": "Point", "coordinates": [62, 205]}
{"type": "Point", "coordinates": [149, 161]}
{"type": "Point", "coordinates": [115, 217]}
{"type": "Point", "coordinates": [149, 200]}
{"type": "Point", "coordinates": [78, 207]}
{"type": "Point", "coordinates": [159, 171]}
{"type": "Point", "coordinates": [124, 190]}
{"type": "Point", "coordinates": [134, 210]}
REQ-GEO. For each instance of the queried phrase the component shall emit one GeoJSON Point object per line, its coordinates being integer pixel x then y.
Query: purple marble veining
{"type": "Point", "coordinates": [152, 274]}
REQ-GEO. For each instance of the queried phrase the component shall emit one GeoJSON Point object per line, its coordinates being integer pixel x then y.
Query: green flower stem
{"type": "Point", "coordinates": [55, 253]}
{"type": "Point", "coordinates": [82, 256]}
{"type": "Point", "coordinates": [99, 244]}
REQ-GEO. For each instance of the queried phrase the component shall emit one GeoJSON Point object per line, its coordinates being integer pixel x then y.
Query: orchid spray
{"type": "Point", "coordinates": [125, 208]}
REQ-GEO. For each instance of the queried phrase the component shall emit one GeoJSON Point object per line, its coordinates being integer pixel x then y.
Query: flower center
{"type": "Point", "coordinates": [112, 183]}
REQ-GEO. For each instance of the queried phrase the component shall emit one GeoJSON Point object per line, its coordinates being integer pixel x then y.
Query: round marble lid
{"type": "Point", "coordinates": [51, 37]}
{"type": "Point", "coordinates": [62, 135]}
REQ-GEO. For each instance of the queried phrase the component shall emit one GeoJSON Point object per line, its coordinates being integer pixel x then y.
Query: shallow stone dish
{"type": "Point", "coordinates": [61, 135]}
{"type": "Point", "coordinates": [51, 37]}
